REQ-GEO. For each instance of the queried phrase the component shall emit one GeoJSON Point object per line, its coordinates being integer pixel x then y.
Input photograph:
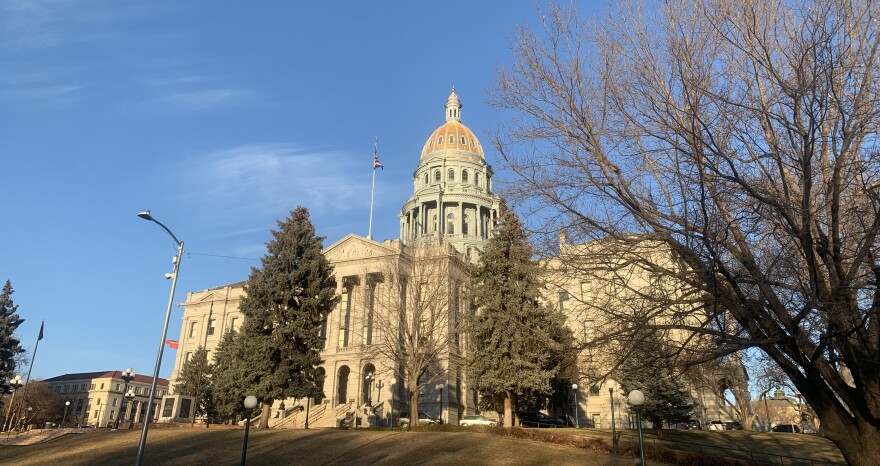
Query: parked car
{"type": "Point", "coordinates": [424, 420]}
{"type": "Point", "coordinates": [691, 424]}
{"type": "Point", "coordinates": [733, 425]}
{"type": "Point", "coordinates": [714, 425]}
{"type": "Point", "coordinates": [477, 421]}
{"type": "Point", "coordinates": [793, 428]}
{"type": "Point", "coordinates": [536, 419]}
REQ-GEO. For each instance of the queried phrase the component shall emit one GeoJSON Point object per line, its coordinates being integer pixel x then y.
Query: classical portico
{"type": "Point", "coordinates": [452, 196]}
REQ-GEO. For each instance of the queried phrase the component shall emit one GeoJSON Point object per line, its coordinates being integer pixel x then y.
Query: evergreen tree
{"type": "Point", "coordinates": [228, 374]}
{"type": "Point", "coordinates": [10, 346]}
{"type": "Point", "coordinates": [517, 344]}
{"type": "Point", "coordinates": [287, 301]}
{"type": "Point", "coordinates": [195, 380]}
{"type": "Point", "coordinates": [648, 369]}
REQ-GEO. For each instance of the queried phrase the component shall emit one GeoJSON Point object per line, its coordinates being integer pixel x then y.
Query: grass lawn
{"type": "Point", "coordinates": [451, 446]}
{"type": "Point", "coordinates": [764, 447]}
{"type": "Point", "coordinates": [218, 446]}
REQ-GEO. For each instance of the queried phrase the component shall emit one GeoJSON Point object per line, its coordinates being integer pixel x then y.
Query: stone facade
{"type": "Point", "coordinates": [97, 398]}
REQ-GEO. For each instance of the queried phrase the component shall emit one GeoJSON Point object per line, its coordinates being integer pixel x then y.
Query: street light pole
{"type": "Point", "coordinates": [613, 433]}
{"type": "Point", "coordinates": [64, 416]}
{"type": "Point", "coordinates": [577, 422]}
{"type": "Point", "coordinates": [636, 400]}
{"type": "Point", "coordinates": [173, 275]}
{"type": "Point", "coordinates": [127, 376]}
{"type": "Point", "coordinates": [249, 404]}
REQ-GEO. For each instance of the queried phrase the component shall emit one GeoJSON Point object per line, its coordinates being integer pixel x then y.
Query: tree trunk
{"type": "Point", "coordinates": [508, 409]}
{"type": "Point", "coordinates": [265, 414]}
{"type": "Point", "coordinates": [414, 407]}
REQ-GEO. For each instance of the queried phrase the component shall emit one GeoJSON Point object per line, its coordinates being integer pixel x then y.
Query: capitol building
{"type": "Point", "coordinates": [453, 206]}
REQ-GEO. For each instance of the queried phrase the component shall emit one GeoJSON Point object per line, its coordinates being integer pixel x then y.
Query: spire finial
{"type": "Point", "coordinates": [453, 107]}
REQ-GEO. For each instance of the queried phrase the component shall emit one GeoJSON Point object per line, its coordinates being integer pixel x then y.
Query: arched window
{"type": "Point", "coordinates": [451, 139]}
{"type": "Point", "coordinates": [463, 140]}
{"type": "Point", "coordinates": [437, 175]}
{"type": "Point", "coordinates": [464, 225]}
{"type": "Point", "coordinates": [440, 140]}
{"type": "Point", "coordinates": [426, 177]}
{"type": "Point", "coordinates": [434, 222]}
{"type": "Point", "coordinates": [342, 385]}
{"type": "Point", "coordinates": [477, 179]}
{"type": "Point", "coordinates": [367, 381]}
{"type": "Point", "coordinates": [450, 224]}
{"type": "Point", "coordinates": [450, 175]}
{"type": "Point", "coordinates": [464, 176]}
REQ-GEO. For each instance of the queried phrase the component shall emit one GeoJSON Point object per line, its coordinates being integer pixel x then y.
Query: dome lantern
{"type": "Point", "coordinates": [453, 107]}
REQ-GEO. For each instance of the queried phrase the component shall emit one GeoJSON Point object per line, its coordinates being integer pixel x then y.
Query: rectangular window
{"type": "Point", "coordinates": [233, 322]}
{"type": "Point", "coordinates": [99, 402]}
{"type": "Point", "coordinates": [187, 356]}
{"type": "Point", "coordinates": [102, 386]}
{"type": "Point", "coordinates": [112, 415]}
{"type": "Point", "coordinates": [211, 326]}
{"type": "Point", "coordinates": [114, 401]}
{"type": "Point", "coordinates": [117, 386]}
{"type": "Point", "coordinates": [192, 329]}
{"type": "Point", "coordinates": [563, 301]}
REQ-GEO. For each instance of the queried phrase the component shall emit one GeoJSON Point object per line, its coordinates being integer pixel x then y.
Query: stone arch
{"type": "Point", "coordinates": [342, 385]}
{"type": "Point", "coordinates": [368, 378]}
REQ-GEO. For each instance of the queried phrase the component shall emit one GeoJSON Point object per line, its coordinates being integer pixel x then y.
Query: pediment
{"type": "Point", "coordinates": [353, 247]}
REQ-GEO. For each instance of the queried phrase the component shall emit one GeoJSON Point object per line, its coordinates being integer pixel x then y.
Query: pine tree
{"type": "Point", "coordinates": [10, 346]}
{"type": "Point", "coordinates": [517, 344]}
{"type": "Point", "coordinates": [287, 301]}
{"type": "Point", "coordinates": [228, 374]}
{"type": "Point", "coordinates": [648, 369]}
{"type": "Point", "coordinates": [195, 380]}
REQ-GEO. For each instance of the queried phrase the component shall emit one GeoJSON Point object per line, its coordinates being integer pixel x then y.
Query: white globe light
{"type": "Point", "coordinates": [574, 386]}
{"type": "Point", "coordinates": [250, 402]}
{"type": "Point", "coordinates": [66, 403]}
{"type": "Point", "coordinates": [636, 398]}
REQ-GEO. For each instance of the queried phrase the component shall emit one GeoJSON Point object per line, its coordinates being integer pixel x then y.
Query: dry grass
{"type": "Point", "coordinates": [436, 445]}
{"type": "Point", "coordinates": [201, 446]}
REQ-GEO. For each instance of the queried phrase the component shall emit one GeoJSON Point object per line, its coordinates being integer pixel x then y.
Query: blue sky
{"type": "Point", "coordinates": [220, 118]}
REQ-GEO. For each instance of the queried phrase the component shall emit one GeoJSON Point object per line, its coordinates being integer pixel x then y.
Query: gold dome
{"type": "Point", "coordinates": [453, 135]}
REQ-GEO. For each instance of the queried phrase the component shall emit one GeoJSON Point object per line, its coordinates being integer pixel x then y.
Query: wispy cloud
{"type": "Point", "coordinates": [38, 86]}
{"type": "Point", "coordinates": [30, 24]}
{"type": "Point", "coordinates": [205, 99]}
{"type": "Point", "coordinates": [193, 91]}
{"type": "Point", "coordinates": [251, 185]}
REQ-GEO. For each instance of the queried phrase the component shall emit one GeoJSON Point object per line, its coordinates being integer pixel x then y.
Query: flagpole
{"type": "Point", "coordinates": [373, 186]}
{"type": "Point", "coordinates": [31, 367]}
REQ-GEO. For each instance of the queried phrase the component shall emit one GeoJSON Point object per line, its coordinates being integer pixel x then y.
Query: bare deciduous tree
{"type": "Point", "coordinates": [417, 322]}
{"type": "Point", "coordinates": [742, 137]}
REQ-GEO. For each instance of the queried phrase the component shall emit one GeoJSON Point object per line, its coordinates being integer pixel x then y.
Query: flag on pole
{"type": "Point", "coordinates": [376, 163]}
{"type": "Point", "coordinates": [40, 337]}
{"type": "Point", "coordinates": [174, 344]}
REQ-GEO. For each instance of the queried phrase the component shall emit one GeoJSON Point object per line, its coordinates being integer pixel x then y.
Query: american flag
{"type": "Point", "coordinates": [376, 163]}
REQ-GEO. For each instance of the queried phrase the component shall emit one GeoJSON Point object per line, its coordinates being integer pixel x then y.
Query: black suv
{"type": "Point", "coordinates": [536, 419]}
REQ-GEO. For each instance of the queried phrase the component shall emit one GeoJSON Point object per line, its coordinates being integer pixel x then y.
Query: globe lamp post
{"type": "Point", "coordinates": [636, 399]}
{"type": "Point", "coordinates": [15, 383]}
{"type": "Point", "coordinates": [130, 397]}
{"type": "Point", "coordinates": [249, 404]}
{"type": "Point", "coordinates": [577, 422]}
{"type": "Point", "coordinates": [64, 416]}
{"type": "Point", "coordinates": [127, 376]}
